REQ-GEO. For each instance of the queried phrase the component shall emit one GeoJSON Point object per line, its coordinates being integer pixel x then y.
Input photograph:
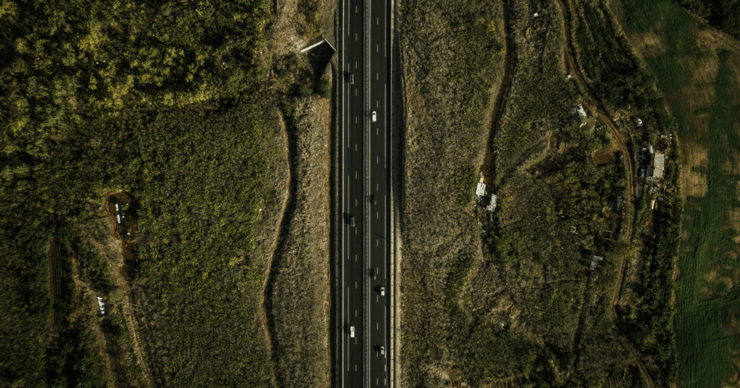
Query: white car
{"type": "Point", "coordinates": [382, 350]}
{"type": "Point", "coordinates": [352, 332]}
{"type": "Point", "coordinates": [375, 116]}
{"type": "Point", "coordinates": [382, 291]}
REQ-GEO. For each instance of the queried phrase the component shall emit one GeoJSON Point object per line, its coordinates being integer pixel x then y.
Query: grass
{"type": "Point", "coordinates": [466, 181]}
{"type": "Point", "coordinates": [703, 346]}
{"type": "Point", "coordinates": [675, 26]}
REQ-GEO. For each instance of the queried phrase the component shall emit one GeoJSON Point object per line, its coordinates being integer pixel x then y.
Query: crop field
{"type": "Point", "coordinates": [676, 33]}
{"type": "Point", "coordinates": [707, 289]}
{"type": "Point", "coordinates": [697, 71]}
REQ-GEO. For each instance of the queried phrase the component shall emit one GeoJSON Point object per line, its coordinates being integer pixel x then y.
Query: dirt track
{"type": "Point", "coordinates": [276, 237]}
{"type": "Point", "coordinates": [602, 115]}
{"type": "Point", "coordinates": [101, 233]}
{"type": "Point", "coordinates": [489, 159]}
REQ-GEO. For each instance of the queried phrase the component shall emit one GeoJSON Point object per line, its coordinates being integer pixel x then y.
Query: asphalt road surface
{"type": "Point", "coordinates": [365, 198]}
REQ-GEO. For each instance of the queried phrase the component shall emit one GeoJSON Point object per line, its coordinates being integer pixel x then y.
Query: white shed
{"type": "Point", "coordinates": [492, 205]}
{"type": "Point", "coordinates": [580, 112]}
{"type": "Point", "coordinates": [481, 189]}
{"type": "Point", "coordinates": [595, 262]}
{"type": "Point", "coordinates": [658, 165]}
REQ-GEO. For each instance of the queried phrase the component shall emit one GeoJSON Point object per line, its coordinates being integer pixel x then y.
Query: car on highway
{"type": "Point", "coordinates": [375, 116]}
{"type": "Point", "coordinates": [352, 221]}
{"type": "Point", "coordinates": [351, 79]}
{"type": "Point", "coordinates": [373, 199]}
{"type": "Point", "coordinates": [381, 350]}
{"type": "Point", "coordinates": [382, 291]}
{"type": "Point", "coordinates": [352, 332]}
{"type": "Point", "coordinates": [373, 273]}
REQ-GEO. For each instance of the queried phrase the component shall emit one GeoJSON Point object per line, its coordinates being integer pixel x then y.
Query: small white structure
{"type": "Point", "coordinates": [536, 14]}
{"type": "Point", "coordinates": [318, 44]}
{"type": "Point", "coordinates": [658, 165]}
{"type": "Point", "coordinates": [570, 76]}
{"type": "Point", "coordinates": [120, 215]}
{"type": "Point", "coordinates": [637, 121]}
{"type": "Point", "coordinates": [581, 113]}
{"type": "Point", "coordinates": [101, 304]}
{"type": "Point", "coordinates": [481, 189]}
{"type": "Point", "coordinates": [595, 262]}
{"type": "Point", "coordinates": [652, 150]}
{"type": "Point", "coordinates": [492, 205]}
{"type": "Point", "coordinates": [652, 204]}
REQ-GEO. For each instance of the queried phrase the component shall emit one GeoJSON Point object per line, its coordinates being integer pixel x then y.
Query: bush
{"type": "Point", "coordinates": [324, 88]}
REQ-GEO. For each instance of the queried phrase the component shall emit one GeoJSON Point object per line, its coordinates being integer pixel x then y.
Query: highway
{"type": "Point", "coordinates": [365, 246]}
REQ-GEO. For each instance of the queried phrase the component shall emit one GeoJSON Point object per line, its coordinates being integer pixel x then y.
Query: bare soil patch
{"type": "Point", "coordinates": [694, 182]}
{"type": "Point", "coordinates": [716, 276]}
{"type": "Point", "coordinates": [285, 38]}
{"type": "Point", "coordinates": [649, 43]}
{"type": "Point", "coordinates": [126, 230]}
{"type": "Point", "coordinates": [607, 154]}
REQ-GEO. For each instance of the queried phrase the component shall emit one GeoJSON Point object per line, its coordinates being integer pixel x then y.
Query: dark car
{"type": "Point", "coordinates": [351, 79]}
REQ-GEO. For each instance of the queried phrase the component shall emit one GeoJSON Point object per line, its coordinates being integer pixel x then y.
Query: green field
{"type": "Point", "coordinates": [703, 345]}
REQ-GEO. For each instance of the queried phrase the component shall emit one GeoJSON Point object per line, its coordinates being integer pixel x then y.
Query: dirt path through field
{"type": "Point", "coordinates": [273, 249]}
{"type": "Point", "coordinates": [116, 263]}
{"type": "Point", "coordinates": [110, 248]}
{"type": "Point", "coordinates": [489, 160]}
{"type": "Point", "coordinates": [622, 142]}
{"type": "Point", "coordinates": [83, 290]}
